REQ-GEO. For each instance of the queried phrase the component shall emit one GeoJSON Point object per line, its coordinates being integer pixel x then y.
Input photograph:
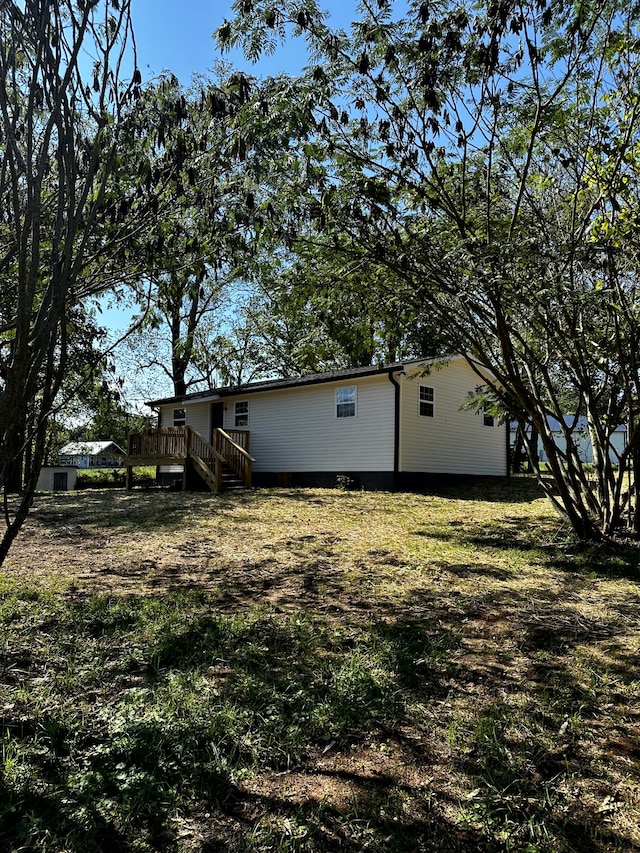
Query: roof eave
{"type": "Point", "coordinates": [281, 384]}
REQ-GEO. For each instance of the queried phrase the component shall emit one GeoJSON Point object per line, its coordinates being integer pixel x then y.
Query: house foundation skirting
{"type": "Point", "coordinates": [369, 480]}
{"type": "Point", "coordinates": [382, 481]}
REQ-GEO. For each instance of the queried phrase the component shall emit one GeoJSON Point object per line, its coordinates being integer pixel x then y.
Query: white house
{"type": "Point", "coordinates": [91, 454]}
{"type": "Point", "coordinates": [579, 428]}
{"type": "Point", "coordinates": [382, 427]}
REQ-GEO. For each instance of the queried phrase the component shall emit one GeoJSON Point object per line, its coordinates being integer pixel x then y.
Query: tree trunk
{"type": "Point", "coordinates": [13, 459]}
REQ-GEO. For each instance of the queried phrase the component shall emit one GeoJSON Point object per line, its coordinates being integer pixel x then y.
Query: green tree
{"type": "Point", "coordinates": [112, 420]}
{"type": "Point", "coordinates": [193, 258]}
{"type": "Point", "coordinates": [64, 127]}
{"type": "Point", "coordinates": [188, 248]}
{"type": "Point", "coordinates": [322, 309]}
{"type": "Point", "coordinates": [487, 158]}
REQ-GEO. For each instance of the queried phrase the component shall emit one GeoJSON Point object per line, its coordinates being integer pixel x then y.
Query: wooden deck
{"type": "Point", "coordinates": [228, 457]}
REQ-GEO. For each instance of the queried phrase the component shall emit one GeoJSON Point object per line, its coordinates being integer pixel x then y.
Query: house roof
{"type": "Point", "coordinates": [298, 381]}
{"type": "Point", "coordinates": [91, 448]}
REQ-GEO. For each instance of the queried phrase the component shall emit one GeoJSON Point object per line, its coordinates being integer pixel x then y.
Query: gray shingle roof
{"type": "Point", "coordinates": [91, 448]}
{"type": "Point", "coordinates": [289, 382]}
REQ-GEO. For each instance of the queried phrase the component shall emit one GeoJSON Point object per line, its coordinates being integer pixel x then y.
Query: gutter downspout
{"type": "Point", "coordinates": [508, 426]}
{"type": "Point", "coordinates": [396, 424]}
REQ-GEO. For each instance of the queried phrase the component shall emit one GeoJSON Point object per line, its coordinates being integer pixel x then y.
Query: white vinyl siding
{"type": "Point", "coordinates": [296, 429]}
{"type": "Point", "coordinates": [453, 441]}
{"type": "Point", "coordinates": [196, 416]}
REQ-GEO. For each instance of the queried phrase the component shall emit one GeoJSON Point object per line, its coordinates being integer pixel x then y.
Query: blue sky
{"type": "Point", "coordinates": [178, 36]}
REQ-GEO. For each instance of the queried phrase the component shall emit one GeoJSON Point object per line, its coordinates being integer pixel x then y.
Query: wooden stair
{"type": "Point", "coordinates": [203, 470]}
{"type": "Point", "coordinates": [230, 480]}
{"type": "Point", "coordinates": [225, 480]}
{"type": "Point", "coordinates": [226, 464]}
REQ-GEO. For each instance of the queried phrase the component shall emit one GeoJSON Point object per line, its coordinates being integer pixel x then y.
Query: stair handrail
{"type": "Point", "coordinates": [214, 452]}
{"type": "Point", "coordinates": [237, 446]}
{"type": "Point", "coordinates": [238, 458]}
{"type": "Point", "coordinates": [211, 459]}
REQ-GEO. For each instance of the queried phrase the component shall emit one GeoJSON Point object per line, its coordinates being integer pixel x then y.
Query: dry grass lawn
{"type": "Point", "coordinates": [398, 672]}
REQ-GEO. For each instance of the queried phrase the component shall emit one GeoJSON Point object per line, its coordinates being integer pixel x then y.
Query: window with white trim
{"type": "Point", "coordinates": [426, 401]}
{"type": "Point", "coordinates": [179, 417]}
{"type": "Point", "coordinates": [241, 413]}
{"type": "Point", "coordinates": [346, 402]}
{"type": "Point", "coordinates": [488, 420]}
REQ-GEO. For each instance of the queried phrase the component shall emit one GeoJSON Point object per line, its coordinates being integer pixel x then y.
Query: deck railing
{"type": "Point", "coordinates": [239, 437]}
{"type": "Point", "coordinates": [169, 444]}
{"type": "Point", "coordinates": [197, 445]}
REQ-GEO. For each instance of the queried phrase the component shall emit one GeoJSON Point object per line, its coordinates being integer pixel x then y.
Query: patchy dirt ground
{"type": "Point", "coordinates": [287, 549]}
{"type": "Point", "coordinates": [282, 547]}
{"type": "Point", "coordinates": [475, 566]}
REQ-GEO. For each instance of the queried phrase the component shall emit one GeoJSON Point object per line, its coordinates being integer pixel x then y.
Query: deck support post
{"type": "Point", "coordinates": [185, 469]}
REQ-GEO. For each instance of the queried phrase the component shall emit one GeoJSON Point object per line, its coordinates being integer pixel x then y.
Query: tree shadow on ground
{"type": "Point", "coordinates": [80, 513]}
{"type": "Point", "coordinates": [275, 703]}
{"type": "Point", "coordinates": [216, 698]}
{"type": "Point", "coordinates": [543, 724]}
{"type": "Point", "coordinates": [415, 730]}
{"type": "Point", "coordinates": [552, 544]}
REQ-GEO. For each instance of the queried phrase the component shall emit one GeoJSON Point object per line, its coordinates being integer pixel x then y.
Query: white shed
{"type": "Point", "coordinates": [57, 478]}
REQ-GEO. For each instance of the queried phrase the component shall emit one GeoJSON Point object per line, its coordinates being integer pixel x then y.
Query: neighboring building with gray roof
{"type": "Point", "coordinates": [92, 454]}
